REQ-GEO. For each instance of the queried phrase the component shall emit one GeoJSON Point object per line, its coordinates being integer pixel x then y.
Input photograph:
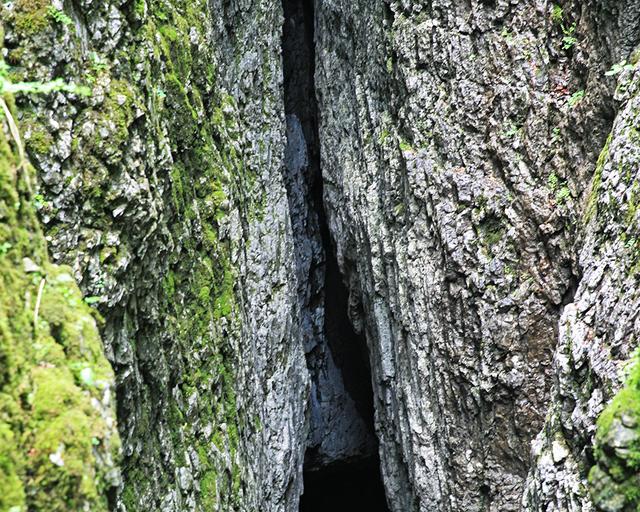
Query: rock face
{"type": "Point", "coordinates": [340, 407]}
{"type": "Point", "coordinates": [58, 437]}
{"type": "Point", "coordinates": [293, 214]}
{"type": "Point", "coordinates": [163, 191]}
{"type": "Point", "coordinates": [458, 144]}
{"type": "Point", "coordinates": [597, 334]}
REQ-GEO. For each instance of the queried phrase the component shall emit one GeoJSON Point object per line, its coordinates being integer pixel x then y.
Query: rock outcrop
{"type": "Point", "coordinates": [459, 141]}
{"type": "Point", "coordinates": [331, 228]}
{"type": "Point", "coordinates": [59, 442]}
{"type": "Point", "coordinates": [163, 191]}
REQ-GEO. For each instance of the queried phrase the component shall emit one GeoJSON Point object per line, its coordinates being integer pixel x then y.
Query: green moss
{"type": "Point", "coordinates": [118, 111]}
{"type": "Point", "coordinates": [176, 101]}
{"type": "Point", "coordinates": [615, 479]}
{"type": "Point", "coordinates": [49, 460]}
{"type": "Point", "coordinates": [39, 139]}
{"type": "Point", "coordinates": [405, 146]}
{"type": "Point", "coordinates": [208, 489]}
{"type": "Point", "coordinates": [11, 487]}
{"type": "Point", "coordinates": [169, 285]}
{"type": "Point", "coordinates": [99, 134]}
{"type": "Point", "coordinates": [169, 33]}
{"type": "Point", "coordinates": [225, 295]}
{"type": "Point", "coordinates": [140, 8]}
{"type": "Point", "coordinates": [592, 202]}
{"type": "Point", "coordinates": [492, 231]}
{"type": "Point", "coordinates": [31, 16]}
{"type": "Point", "coordinates": [632, 204]}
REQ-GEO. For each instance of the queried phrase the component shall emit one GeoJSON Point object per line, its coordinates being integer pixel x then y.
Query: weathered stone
{"type": "Point", "coordinates": [245, 173]}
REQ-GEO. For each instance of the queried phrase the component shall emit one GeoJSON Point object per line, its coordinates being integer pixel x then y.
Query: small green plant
{"type": "Point", "coordinates": [58, 16]}
{"type": "Point", "coordinates": [97, 64]}
{"type": "Point", "coordinates": [506, 34]}
{"type": "Point", "coordinates": [557, 14]}
{"type": "Point", "coordinates": [569, 40]}
{"type": "Point", "coordinates": [618, 68]}
{"type": "Point", "coordinates": [4, 248]}
{"type": "Point", "coordinates": [556, 136]}
{"type": "Point", "coordinates": [405, 146]}
{"type": "Point", "coordinates": [39, 201]}
{"type": "Point", "coordinates": [563, 194]}
{"type": "Point", "coordinates": [559, 187]}
{"type": "Point", "coordinates": [8, 86]}
{"type": "Point", "coordinates": [575, 98]}
{"type": "Point", "coordinates": [511, 130]}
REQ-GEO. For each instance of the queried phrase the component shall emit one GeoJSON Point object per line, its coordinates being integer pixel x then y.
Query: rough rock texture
{"type": "Point", "coordinates": [445, 189]}
{"type": "Point", "coordinates": [598, 332]}
{"type": "Point", "coordinates": [163, 191]}
{"type": "Point", "coordinates": [341, 412]}
{"type": "Point", "coordinates": [458, 142]}
{"type": "Point", "coordinates": [59, 443]}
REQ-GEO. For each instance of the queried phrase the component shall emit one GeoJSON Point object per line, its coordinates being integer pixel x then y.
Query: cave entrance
{"type": "Point", "coordinates": [342, 466]}
{"type": "Point", "coordinates": [344, 488]}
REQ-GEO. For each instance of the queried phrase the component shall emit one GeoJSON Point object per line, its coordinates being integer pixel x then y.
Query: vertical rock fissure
{"type": "Point", "coordinates": [342, 467]}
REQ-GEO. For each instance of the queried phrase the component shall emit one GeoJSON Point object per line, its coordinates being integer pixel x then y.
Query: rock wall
{"type": "Point", "coordinates": [597, 335]}
{"type": "Point", "coordinates": [243, 172]}
{"type": "Point", "coordinates": [340, 406]}
{"type": "Point", "coordinates": [163, 191]}
{"type": "Point", "coordinates": [59, 443]}
{"type": "Point", "coordinates": [458, 145]}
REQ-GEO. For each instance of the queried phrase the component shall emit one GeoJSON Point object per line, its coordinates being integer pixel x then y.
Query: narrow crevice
{"type": "Point", "coordinates": [342, 466]}
{"type": "Point", "coordinates": [344, 488]}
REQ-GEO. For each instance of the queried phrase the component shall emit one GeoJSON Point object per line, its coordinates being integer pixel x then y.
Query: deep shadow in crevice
{"type": "Point", "coordinates": [344, 488]}
{"type": "Point", "coordinates": [353, 484]}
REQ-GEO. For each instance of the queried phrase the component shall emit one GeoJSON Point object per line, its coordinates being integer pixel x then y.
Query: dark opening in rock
{"type": "Point", "coordinates": [342, 468]}
{"type": "Point", "coordinates": [344, 488]}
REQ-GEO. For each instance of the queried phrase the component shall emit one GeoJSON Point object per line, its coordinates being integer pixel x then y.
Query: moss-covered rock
{"type": "Point", "coordinates": [153, 190]}
{"type": "Point", "coordinates": [58, 439]}
{"type": "Point", "coordinates": [615, 479]}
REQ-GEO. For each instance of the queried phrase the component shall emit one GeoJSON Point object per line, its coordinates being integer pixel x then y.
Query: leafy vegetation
{"type": "Point", "coordinates": [7, 86]}
{"type": "Point", "coordinates": [576, 98]}
{"type": "Point", "coordinates": [511, 130]}
{"type": "Point", "coordinates": [569, 38]}
{"type": "Point", "coordinates": [559, 188]}
{"type": "Point", "coordinates": [59, 16]}
{"type": "Point", "coordinates": [618, 68]}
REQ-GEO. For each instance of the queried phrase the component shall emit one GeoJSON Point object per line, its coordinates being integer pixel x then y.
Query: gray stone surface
{"type": "Point", "coordinates": [163, 190]}
{"type": "Point", "coordinates": [490, 259]}
{"type": "Point", "coordinates": [459, 141]}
